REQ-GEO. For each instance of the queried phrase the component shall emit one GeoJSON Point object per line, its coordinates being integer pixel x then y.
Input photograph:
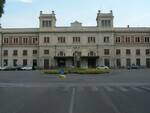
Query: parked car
{"type": "Point", "coordinates": [27, 68]}
{"type": "Point", "coordinates": [133, 66]}
{"type": "Point", "coordinates": [2, 68]}
{"type": "Point", "coordinates": [8, 68]}
{"type": "Point", "coordinates": [102, 67]}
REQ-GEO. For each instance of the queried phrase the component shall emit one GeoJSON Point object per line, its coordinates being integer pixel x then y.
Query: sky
{"type": "Point", "coordinates": [25, 13]}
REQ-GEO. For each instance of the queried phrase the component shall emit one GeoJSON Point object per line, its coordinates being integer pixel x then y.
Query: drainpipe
{"type": "Point", "coordinates": [1, 49]}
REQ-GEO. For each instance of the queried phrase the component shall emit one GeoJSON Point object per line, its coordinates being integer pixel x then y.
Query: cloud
{"type": "Point", "coordinates": [26, 1]}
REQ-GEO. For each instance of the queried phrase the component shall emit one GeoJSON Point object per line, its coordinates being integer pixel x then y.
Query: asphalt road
{"type": "Point", "coordinates": [121, 91]}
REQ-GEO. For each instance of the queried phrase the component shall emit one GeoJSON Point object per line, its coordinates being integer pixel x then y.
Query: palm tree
{"type": "Point", "coordinates": [2, 2]}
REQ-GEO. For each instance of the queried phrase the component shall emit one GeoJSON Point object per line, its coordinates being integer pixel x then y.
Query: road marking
{"type": "Point", "coordinates": [146, 88]}
{"type": "Point", "coordinates": [137, 89]}
{"type": "Point", "coordinates": [109, 88]}
{"type": "Point", "coordinates": [123, 89]}
{"type": "Point", "coordinates": [108, 100]}
{"type": "Point", "coordinates": [72, 101]}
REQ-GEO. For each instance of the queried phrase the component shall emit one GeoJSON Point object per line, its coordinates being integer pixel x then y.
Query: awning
{"type": "Point", "coordinates": [72, 57]}
{"type": "Point", "coordinates": [63, 57]}
{"type": "Point", "coordinates": [89, 57]}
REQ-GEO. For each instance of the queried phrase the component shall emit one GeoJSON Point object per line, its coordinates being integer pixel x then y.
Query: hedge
{"type": "Point", "coordinates": [78, 71]}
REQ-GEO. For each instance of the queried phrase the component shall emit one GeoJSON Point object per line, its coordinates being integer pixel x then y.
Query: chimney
{"type": "Point", "coordinates": [41, 12]}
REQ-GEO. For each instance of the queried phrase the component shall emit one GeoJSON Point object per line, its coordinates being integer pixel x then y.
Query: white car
{"type": "Point", "coordinates": [102, 67]}
{"type": "Point", "coordinates": [3, 68]}
{"type": "Point", "coordinates": [27, 68]}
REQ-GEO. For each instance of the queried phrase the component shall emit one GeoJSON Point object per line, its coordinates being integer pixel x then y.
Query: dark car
{"type": "Point", "coordinates": [133, 66]}
{"type": "Point", "coordinates": [18, 67]}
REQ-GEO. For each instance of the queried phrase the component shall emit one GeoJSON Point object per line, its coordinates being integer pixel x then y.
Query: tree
{"type": "Point", "coordinates": [2, 2]}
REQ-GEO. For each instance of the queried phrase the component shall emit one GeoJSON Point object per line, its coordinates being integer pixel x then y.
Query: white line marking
{"type": "Point", "coordinates": [72, 101]}
{"type": "Point", "coordinates": [109, 101]}
{"type": "Point", "coordinates": [147, 88]}
{"type": "Point", "coordinates": [108, 88]}
{"type": "Point", "coordinates": [137, 89]}
{"type": "Point", "coordinates": [123, 89]}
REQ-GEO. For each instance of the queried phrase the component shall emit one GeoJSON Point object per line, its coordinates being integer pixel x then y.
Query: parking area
{"type": "Point", "coordinates": [121, 91]}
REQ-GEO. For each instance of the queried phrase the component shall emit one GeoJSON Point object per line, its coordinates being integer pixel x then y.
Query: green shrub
{"type": "Point", "coordinates": [79, 71]}
{"type": "Point", "coordinates": [93, 71]}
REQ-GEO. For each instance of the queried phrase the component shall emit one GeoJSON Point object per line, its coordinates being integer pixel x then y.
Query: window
{"type": "Point", "coordinates": [61, 53]}
{"type": "Point", "coordinates": [106, 23]}
{"type": "Point", "coordinates": [128, 52]}
{"type": "Point", "coordinates": [103, 23]}
{"type": "Point", "coordinates": [127, 39]}
{"type": "Point", "coordinates": [49, 23]}
{"type": "Point", "coordinates": [138, 61]}
{"type": "Point", "coordinates": [147, 40]}
{"type": "Point", "coordinates": [117, 39]}
{"type": "Point", "coordinates": [25, 53]}
{"type": "Point", "coordinates": [46, 52]}
{"type": "Point", "coordinates": [107, 62]}
{"type": "Point", "coordinates": [46, 23]}
{"type": "Point", "coordinates": [76, 39]}
{"type": "Point", "coordinates": [5, 62]}
{"type": "Point", "coordinates": [128, 62]}
{"type": "Point", "coordinates": [46, 39]}
{"type": "Point", "coordinates": [25, 62]}
{"type": "Point", "coordinates": [106, 39]}
{"type": "Point", "coordinates": [61, 40]}
{"type": "Point", "coordinates": [118, 62]}
{"type": "Point", "coordinates": [25, 40]}
{"type": "Point", "coordinates": [34, 62]}
{"type": "Point", "coordinates": [148, 62]}
{"type": "Point", "coordinates": [43, 24]}
{"type": "Point", "coordinates": [46, 63]}
{"type": "Point", "coordinates": [147, 51]}
{"type": "Point", "coordinates": [5, 53]}
{"type": "Point", "coordinates": [91, 53]}
{"type": "Point", "coordinates": [5, 40]}
{"type": "Point", "coordinates": [91, 39]}
{"type": "Point", "coordinates": [118, 51]}
{"type": "Point", "coordinates": [34, 52]}
{"type": "Point", "coordinates": [15, 53]}
{"type": "Point", "coordinates": [16, 40]}
{"type": "Point", "coordinates": [137, 51]}
{"type": "Point", "coordinates": [106, 51]}
{"type": "Point", "coordinates": [15, 62]}
{"type": "Point", "coordinates": [137, 39]}
{"type": "Point", "coordinates": [34, 40]}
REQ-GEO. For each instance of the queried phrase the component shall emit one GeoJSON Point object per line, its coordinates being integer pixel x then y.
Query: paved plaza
{"type": "Point", "coordinates": [121, 91]}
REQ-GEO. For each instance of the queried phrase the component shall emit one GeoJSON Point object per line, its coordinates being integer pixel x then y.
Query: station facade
{"type": "Point", "coordinates": [84, 46]}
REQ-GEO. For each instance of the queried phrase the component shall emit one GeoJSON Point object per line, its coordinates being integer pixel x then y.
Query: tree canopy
{"type": "Point", "coordinates": [2, 2]}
